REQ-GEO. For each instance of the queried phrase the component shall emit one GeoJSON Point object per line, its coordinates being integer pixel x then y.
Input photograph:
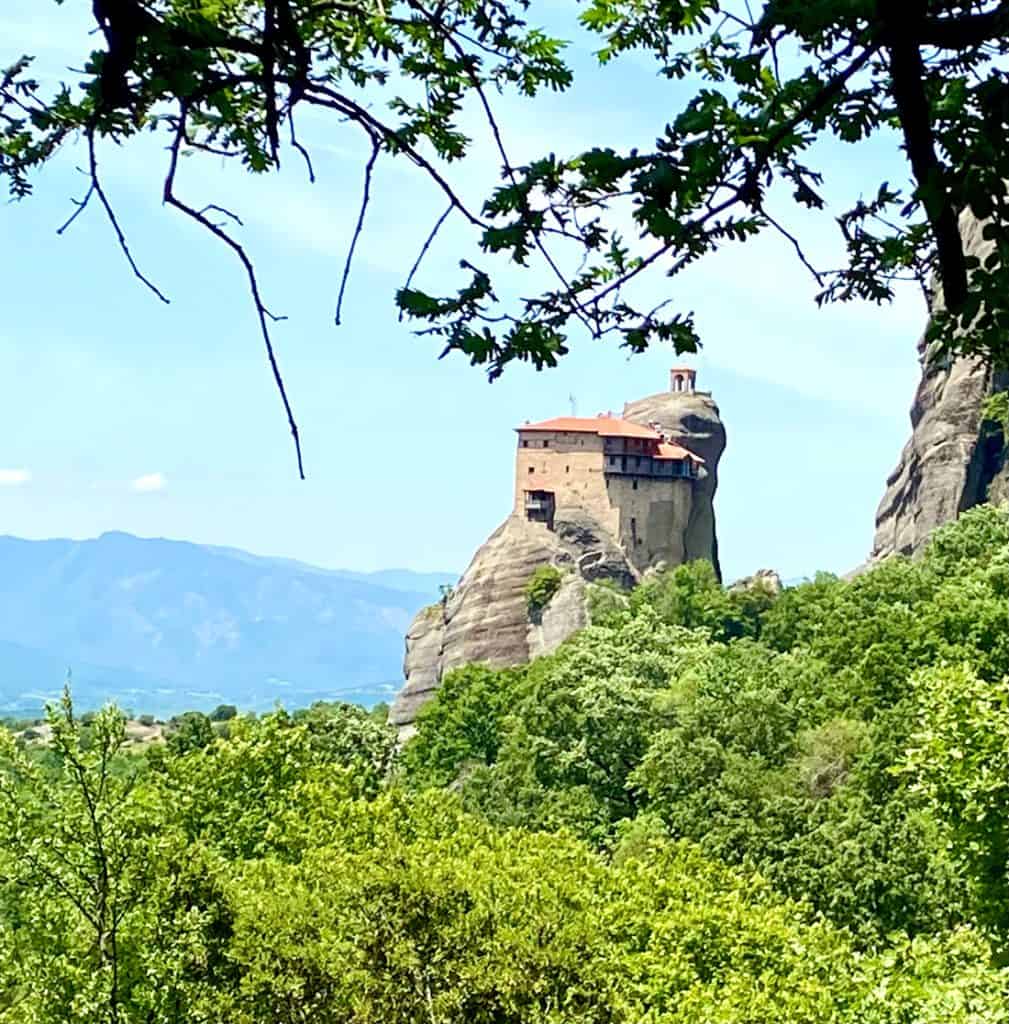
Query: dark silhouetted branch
{"type": "Point", "coordinates": [369, 167]}
{"type": "Point", "coordinates": [262, 312]}
{"type": "Point", "coordinates": [96, 186]}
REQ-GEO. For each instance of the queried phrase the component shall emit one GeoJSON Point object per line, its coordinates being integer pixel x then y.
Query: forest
{"type": "Point", "coordinates": [710, 805]}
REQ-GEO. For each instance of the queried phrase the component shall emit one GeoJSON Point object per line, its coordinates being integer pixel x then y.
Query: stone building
{"type": "Point", "coordinates": [631, 479]}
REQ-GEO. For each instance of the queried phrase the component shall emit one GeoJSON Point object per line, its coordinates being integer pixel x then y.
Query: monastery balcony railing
{"type": "Point", "coordinates": [684, 471]}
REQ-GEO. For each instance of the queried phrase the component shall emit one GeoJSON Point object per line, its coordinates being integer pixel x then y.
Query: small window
{"type": "Point", "coordinates": [567, 469]}
{"type": "Point", "coordinates": [532, 469]}
{"type": "Point", "coordinates": [525, 444]}
{"type": "Point", "coordinates": [634, 485]}
{"type": "Point", "coordinates": [546, 444]}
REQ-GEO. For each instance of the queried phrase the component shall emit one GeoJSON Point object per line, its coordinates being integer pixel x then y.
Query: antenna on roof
{"type": "Point", "coordinates": [574, 405]}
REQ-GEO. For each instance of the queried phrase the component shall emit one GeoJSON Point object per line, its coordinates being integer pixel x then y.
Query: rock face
{"type": "Point", "coordinates": [954, 459]}
{"type": "Point", "coordinates": [763, 579]}
{"type": "Point", "coordinates": [486, 619]}
{"type": "Point", "coordinates": [694, 419]}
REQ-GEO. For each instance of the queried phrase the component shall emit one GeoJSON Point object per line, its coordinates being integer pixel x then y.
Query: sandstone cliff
{"type": "Point", "coordinates": [954, 459]}
{"type": "Point", "coordinates": [486, 618]}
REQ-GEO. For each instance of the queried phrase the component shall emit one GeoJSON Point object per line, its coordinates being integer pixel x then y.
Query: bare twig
{"type": "Point", "coordinates": [300, 148]}
{"type": "Point", "coordinates": [262, 312]}
{"type": "Point", "coordinates": [222, 210]}
{"type": "Point", "coordinates": [782, 230]}
{"type": "Point", "coordinates": [428, 242]}
{"type": "Point", "coordinates": [365, 200]}
{"type": "Point", "coordinates": [319, 95]}
{"type": "Point", "coordinates": [96, 189]}
{"type": "Point", "coordinates": [81, 206]}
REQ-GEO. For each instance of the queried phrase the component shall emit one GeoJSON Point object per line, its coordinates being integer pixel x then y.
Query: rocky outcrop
{"type": "Point", "coordinates": [767, 580]}
{"type": "Point", "coordinates": [486, 619]}
{"type": "Point", "coordinates": [694, 420]}
{"type": "Point", "coordinates": [954, 459]}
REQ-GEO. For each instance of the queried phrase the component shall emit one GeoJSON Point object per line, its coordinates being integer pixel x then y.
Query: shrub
{"type": "Point", "coordinates": [541, 587]}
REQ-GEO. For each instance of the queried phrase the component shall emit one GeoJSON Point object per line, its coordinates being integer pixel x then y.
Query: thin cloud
{"type": "Point", "coordinates": [149, 483]}
{"type": "Point", "coordinates": [14, 477]}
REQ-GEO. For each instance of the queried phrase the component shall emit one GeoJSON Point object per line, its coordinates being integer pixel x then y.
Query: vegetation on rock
{"type": "Point", "coordinates": [541, 587]}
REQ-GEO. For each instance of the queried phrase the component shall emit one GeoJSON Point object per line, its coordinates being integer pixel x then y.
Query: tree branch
{"type": "Point", "coordinates": [965, 31]}
{"type": "Point", "coordinates": [96, 188]}
{"type": "Point", "coordinates": [365, 199]}
{"type": "Point", "coordinates": [429, 241]}
{"type": "Point", "coordinates": [261, 311]}
{"type": "Point", "coordinates": [907, 71]}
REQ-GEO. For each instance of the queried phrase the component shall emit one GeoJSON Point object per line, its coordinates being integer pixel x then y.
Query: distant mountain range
{"type": "Point", "coordinates": [164, 626]}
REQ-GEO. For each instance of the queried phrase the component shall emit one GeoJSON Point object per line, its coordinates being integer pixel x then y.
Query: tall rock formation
{"type": "Point", "coordinates": [591, 513]}
{"type": "Point", "coordinates": [954, 459]}
{"type": "Point", "coordinates": [693, 418]}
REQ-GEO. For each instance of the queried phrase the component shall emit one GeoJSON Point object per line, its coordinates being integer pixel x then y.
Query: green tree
{"type": "Point", "coordinates": [95, 924]}
{"type": "Point", "coordinates": [191, 730]}
{"type": "Point", "coordinates": [462, 726]}
{"type": "Point", "coordinates": [959, 757]}
{"type": "Point", "coordinates": [223, 713]}
{"type": "Point", "coordinates": [541, 587]}
{"type": "Point", "coordinates": [415, 912]}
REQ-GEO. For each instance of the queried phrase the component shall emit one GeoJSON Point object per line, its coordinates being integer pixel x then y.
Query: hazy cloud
{"type": "Point", "coordinates": [149, 483]}
{"type": "Point", "coordinates": [14, 477]}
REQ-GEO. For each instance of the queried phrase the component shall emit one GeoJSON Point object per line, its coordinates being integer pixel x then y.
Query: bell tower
{"type": "Point", "coordinates": [682, 379]}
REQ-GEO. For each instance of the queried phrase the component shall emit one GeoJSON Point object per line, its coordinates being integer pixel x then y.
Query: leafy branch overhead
{"type": "Point", "coordinates": [765, 84]}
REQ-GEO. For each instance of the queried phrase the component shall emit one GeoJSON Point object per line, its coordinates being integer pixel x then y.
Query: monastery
{"type": "Point", "coordinates": [603, 499]}
{"type": "Point", "coordinates": [633, 479]}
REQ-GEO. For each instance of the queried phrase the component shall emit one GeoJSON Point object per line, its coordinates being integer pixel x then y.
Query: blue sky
{"type": "Point", "coordinates": [117, 412]}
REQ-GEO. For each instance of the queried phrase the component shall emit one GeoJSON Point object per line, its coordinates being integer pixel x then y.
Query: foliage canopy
{"type": "Point", "coordinates": [791, 816]}
{"type": "Point", "coordinates": [763, 86]}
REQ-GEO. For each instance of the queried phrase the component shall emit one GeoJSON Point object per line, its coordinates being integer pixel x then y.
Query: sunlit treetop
{"type": "Point", "coordinates": [764, 84]}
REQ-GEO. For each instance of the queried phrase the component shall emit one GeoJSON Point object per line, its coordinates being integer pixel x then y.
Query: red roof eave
{"type": "Point", "coordinates": [603, 426]}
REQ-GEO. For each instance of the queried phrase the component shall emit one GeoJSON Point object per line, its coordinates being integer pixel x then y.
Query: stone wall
{"type": "Point", "coordinates": [572, 467]}
{"type": "Point", "coordinates": [660, 509]}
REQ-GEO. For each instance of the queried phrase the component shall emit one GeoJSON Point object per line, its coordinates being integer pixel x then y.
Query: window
{"type": "Point", "coordinates": [525, 444]}
{"type": "Point", "coordinates": [567, 469]}
{"type": "Point", "coordinates": [634, 485]}
{"type": "Point", "coordinates": [546, 444]}
{"type": "Point", "coordinates": [532, 469]}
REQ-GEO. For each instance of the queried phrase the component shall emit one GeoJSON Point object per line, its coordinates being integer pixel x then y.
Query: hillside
{"type": "Point", "coordinates": [163, 626]}
{"type": "Point", "coordinates": [712, 805]}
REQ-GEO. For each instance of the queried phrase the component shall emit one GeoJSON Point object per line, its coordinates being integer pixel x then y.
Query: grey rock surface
{"type": "Point", "coordinates": [954, 458]}
{"type": "Point", "coordinates": [487, 620]}
{"type": "Point", "coordinates": [765, 579]}
{"type": "Point", "coordinates": [693, 419]}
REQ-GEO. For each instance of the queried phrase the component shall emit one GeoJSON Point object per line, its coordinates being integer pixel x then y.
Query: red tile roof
{"type": "Point", "coordinates": [604, 426]}
{"type": "Point", "coordinates": [669, 450]}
